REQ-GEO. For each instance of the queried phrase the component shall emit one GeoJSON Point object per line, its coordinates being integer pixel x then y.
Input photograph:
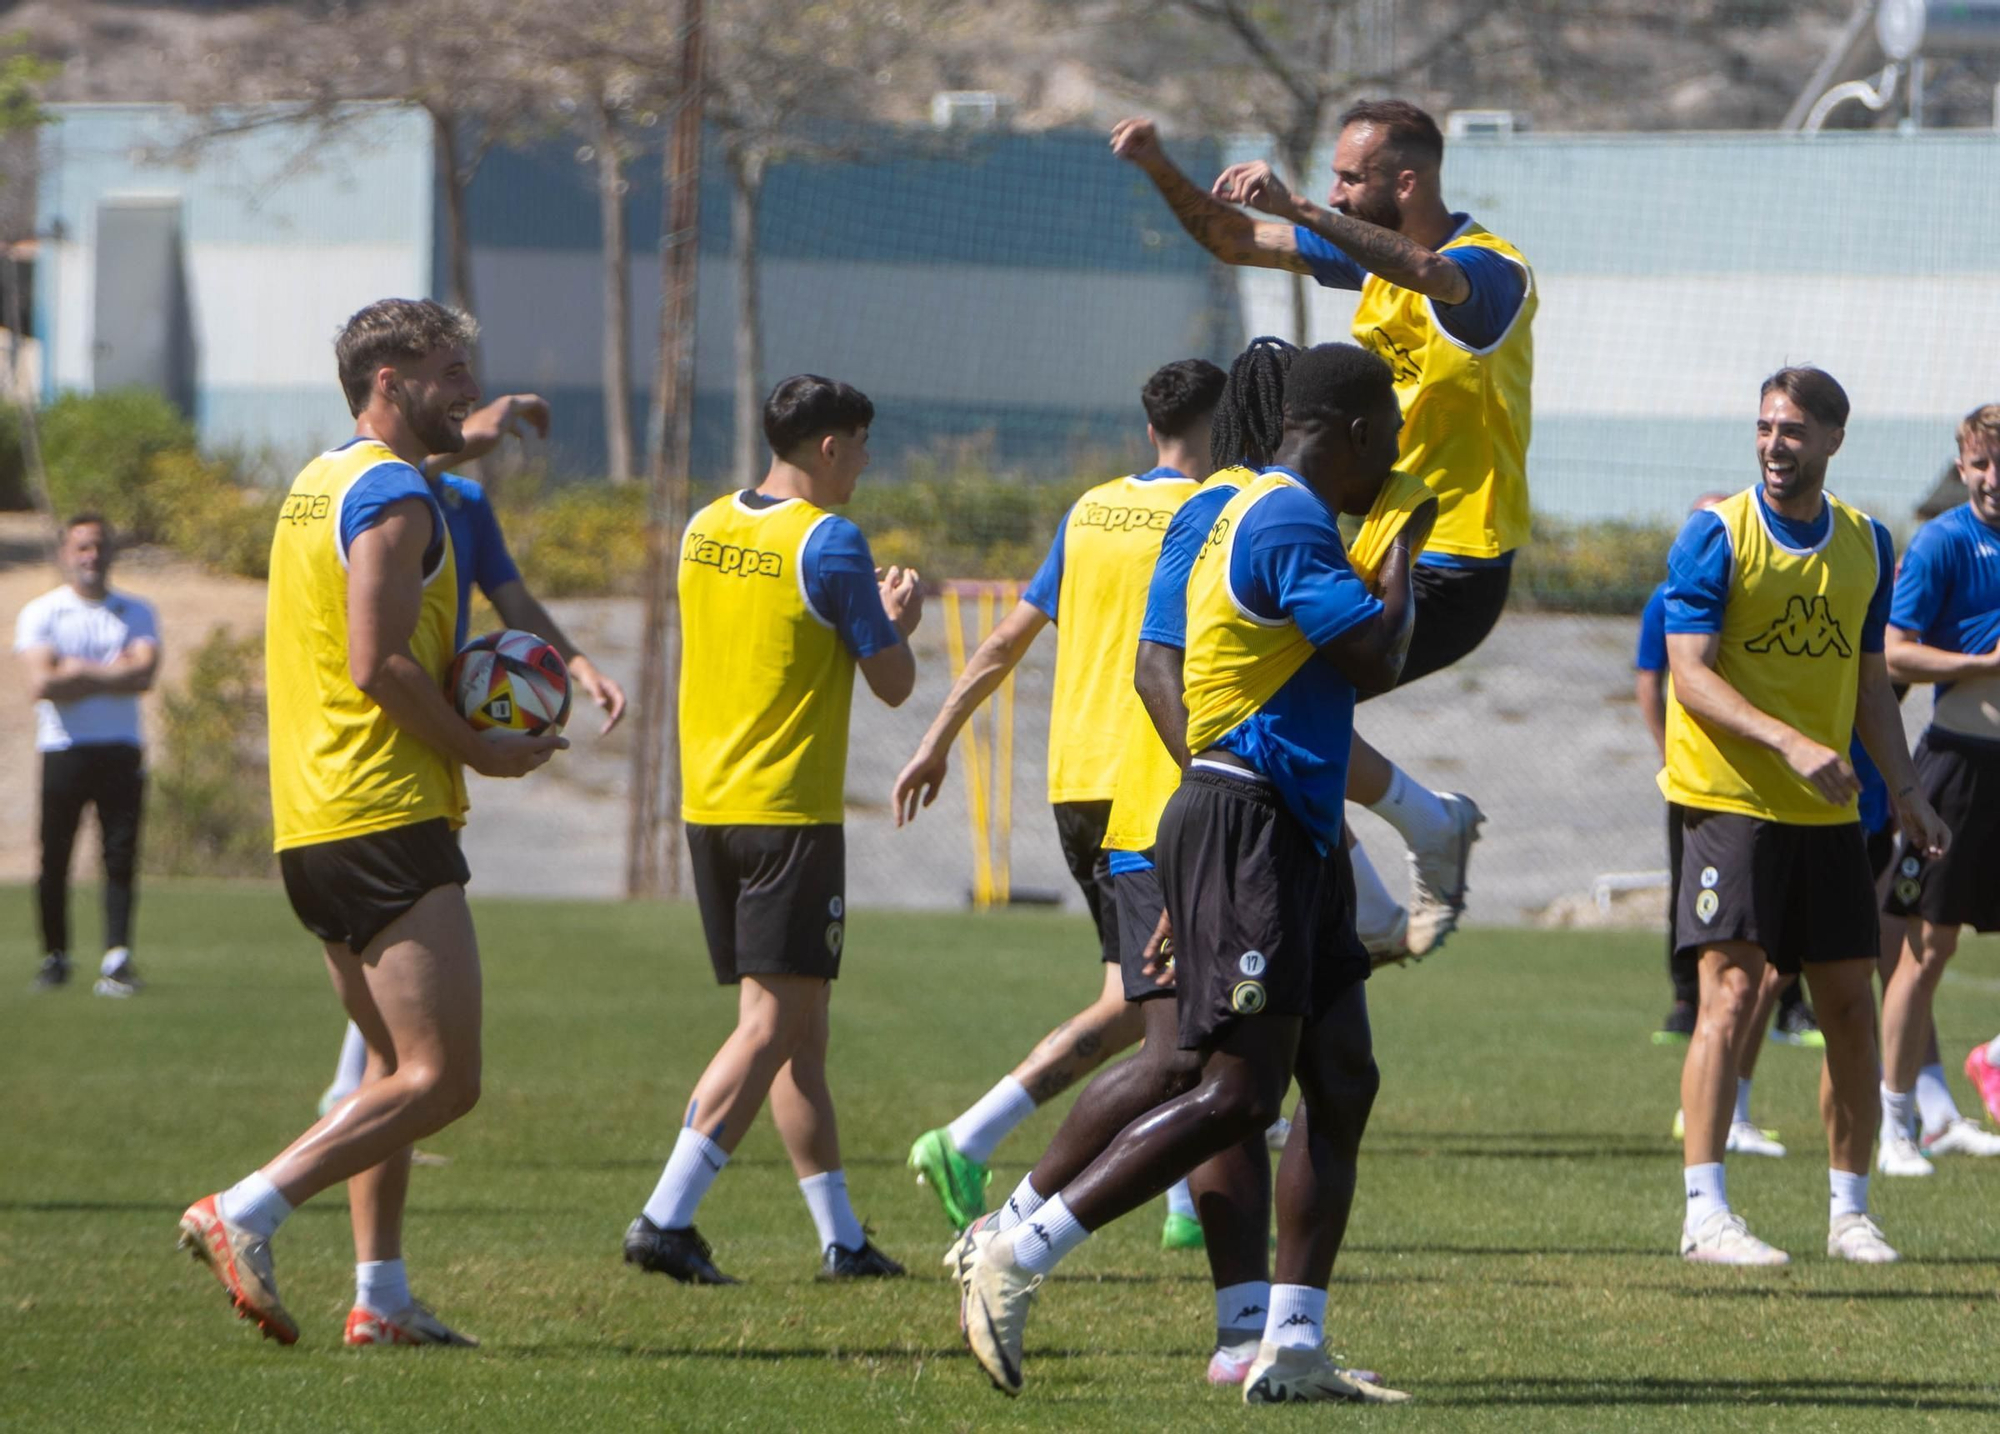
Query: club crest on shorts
{"type": "Point", "coordinates": [1251, 964]}
{"type": "Point", "coordinates": [1911, 866]}
{"type": "Point", "coordinates": [1908, 890]}
{"type": "Point", "coordinates": [836, 908]}
{"type": "Point", "coordinates": [1707, 904]}
{"type": "Point", "coordinates": [1709, 877]}
{"type": "Point", "coordinates": [1247, 998]}
{"type": "Point", "coordinates": [836, 935]}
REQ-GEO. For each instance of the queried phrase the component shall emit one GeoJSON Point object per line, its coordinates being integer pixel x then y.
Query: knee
{"type": "Point", "coordinates": [1935, 946]}
{"type": "Point", "coordinates": [1339, 1101]}
{"type": "Point", "coordinates": [1729, 997]}
{"type": "Point", "coordinates": [448, 1090]}
{"type": "Point", "coordinates": [1244, 1102]}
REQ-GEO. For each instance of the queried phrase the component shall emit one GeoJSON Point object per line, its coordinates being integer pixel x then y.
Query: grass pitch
{"type": "Point", "coordinates": [1510, 1260]}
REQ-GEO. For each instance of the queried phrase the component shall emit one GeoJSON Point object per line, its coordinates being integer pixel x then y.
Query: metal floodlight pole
{"type": "Point", "coordinates": [652, 846]}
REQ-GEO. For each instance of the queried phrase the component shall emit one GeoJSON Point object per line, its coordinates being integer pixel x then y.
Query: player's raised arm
{"type": "Point", "coordinates": [922, 777]}
{"type": "Point", "coordinates": [1228, 234]}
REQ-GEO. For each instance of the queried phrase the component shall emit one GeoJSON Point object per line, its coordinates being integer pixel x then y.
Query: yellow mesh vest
{"type": "Point", "coordinates": [1791, 644]}
{"type": "Point", "coordinates": [766, 682]}
{"type": "Point", "coordinates": [1402, 494]}
{"type": "Point", "coordinates": [339, 766]}
{"type": "Point", "coordinates": [1465, 411]}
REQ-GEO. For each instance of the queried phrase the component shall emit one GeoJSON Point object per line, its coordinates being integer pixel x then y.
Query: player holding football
{"type": "Point", "coordinates": [1450, 307]}
{"type": "Point", "coordinates": [1092, 586]}
{"type": "Point", "coordinates": [1944, 628]}
{"type": "Point", "coordinates": [1776, 603]}
{"type": "Point", "coordinates": [1281, 633]}
{"type": "Point", "coordinates": [780, 604]}
{"type": "Point", "coordinates": [367, 793]}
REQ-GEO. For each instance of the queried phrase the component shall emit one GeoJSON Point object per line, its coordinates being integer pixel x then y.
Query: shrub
{"type": "Point", "coordinates": [208, 515]}
{"type": "Point", "coordinates": [1595, 567]}
{"type": "Point", "coordinates": [98, 449]}
{"type": "Point", "coordinates": [15, 492]}
{"type": "Point", "coordinates": [210, 813]}
{"type": "Point", "coordinates": [954, 517]}
{"type": "Point", "coordinates": [579, 539]}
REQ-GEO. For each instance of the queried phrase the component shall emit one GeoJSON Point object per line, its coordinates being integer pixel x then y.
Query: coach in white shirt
{"type": "Point", "coordinates": [89, 653]}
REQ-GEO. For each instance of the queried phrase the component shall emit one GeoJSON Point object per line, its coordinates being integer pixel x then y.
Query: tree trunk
{"type": "Point", "coordinates": [1297, 152]}
{"type": "Point", "coordinates": [457, 237]}
{"type": "Point", "coordinates": [617, 301]}
{"type": "Point", "coordinates": [746, 189]}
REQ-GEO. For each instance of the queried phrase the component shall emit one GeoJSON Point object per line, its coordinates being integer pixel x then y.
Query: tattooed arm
{"type": "Point", "coordinates": [1229, 234]}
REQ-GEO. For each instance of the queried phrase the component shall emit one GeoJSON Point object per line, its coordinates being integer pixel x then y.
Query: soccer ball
{"type": "Point", "coordinates": [510, 681]}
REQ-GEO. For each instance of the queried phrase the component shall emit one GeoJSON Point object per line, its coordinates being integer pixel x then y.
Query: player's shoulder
{"type": "Point", "coordinates": [831, 533]}
{"type": "Point", "coordinates": [1285, 510]}
{"type": "Point", "coordinates": [462, 492]}
{"type": "Point", "coordinates": [1469, 234]}
{"type": "Point", "coordinates": [127, 605]}
{"type": "Point", "coordinates": [54, 600]}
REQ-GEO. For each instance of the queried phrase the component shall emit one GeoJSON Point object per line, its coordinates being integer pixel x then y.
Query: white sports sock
{"type": "Point", "coordinates": [382, 1287]}
{"type": "Point", "coordinates": [1375, 911]}
{"type": "Point", "coordinates": [114, 958]}
{"type": "Point", "coordinates": [1850, 1193]}
{"type": "Point", "coordinates": [255, 1204]}
{"type": "Point", "coordinates": [1298, 1317]}
{"type": "Point", "coordinates": [347, 1074]}
{"type": "Point", "coordinates": [991, 1119]}
{"type": "Point", "coordinates": [1898, 1111]}
{"type": "Point", "coordinates": [691, 1169]}
{"type": "Point", "coordinates": [1742, 1116]}
{"type": "Point", "coordinates": [1024, 1202]}
{"type": "Point", "coordinates": [1240, 1310]}
{"type": "Point", "coordinates": [1039, 1242]}
{"type": "Point", "coordinates": [1934, 1102]}
{"type": "Point", "coordinates": [833, 1216]}
{"type": "Point", "coordinates": [1180, 1200]}
{"type": "Point", "coordinates": [1413, 810]}
{"type": "Point", "coordinates": [1707, 1192]}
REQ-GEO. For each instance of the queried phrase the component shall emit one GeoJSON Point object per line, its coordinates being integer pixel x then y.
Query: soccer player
{"type": "Point", "coordinates": [1944, 628]}
{"type": "Point", "coordinates": [1281, 632]}
{"type": "Point", "coordinates": [88, 653]}
{"type": "Point", "coordinates": [1092, 586]}
{"type": "Point", "coordinates": [481, 557]}
{"type": "Point", "coordinates": [780, 604]}
{"type": "Point", "coordinates": [1776, 603]}
{"type": "Point", "coordinates": [367, 792]}
{"type": "Point", "coordinates": [1450, 307]}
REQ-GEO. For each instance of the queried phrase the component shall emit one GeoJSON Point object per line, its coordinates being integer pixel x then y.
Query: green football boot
{"type": "Point", "coordinates": [1181, 1232]}
{"type": "Point", "coordinates": [959, 1184]}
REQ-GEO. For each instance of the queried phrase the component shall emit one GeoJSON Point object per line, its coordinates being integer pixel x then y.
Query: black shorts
{"type": "Point", "coordinates": [1136, 904]}
{"type": "Point", "coordinates": [1080, 828]}
{"type": "Point", "coordinates": [773, 899]}
{"type": "Point", "coordinates": [1339, 958]}
{"type": "Point", "coordinates": [1802, 893]}
{"type": "Point", "coordinates": [1960, 777]}
{"type": "Point", "coordinates": [1456, 609]}
{"type": "Point", "coordinates": [348, 892]}
{"type": "Point", "coordinates": [1242, 886]}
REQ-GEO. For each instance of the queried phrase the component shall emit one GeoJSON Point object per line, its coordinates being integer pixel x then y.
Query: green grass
{"type": "Point", "coordinates": [1510, 1259]}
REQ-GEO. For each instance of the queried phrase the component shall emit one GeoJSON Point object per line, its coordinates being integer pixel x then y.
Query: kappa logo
{"type": "Point", "coordinates": [1214, 540]}
{"type": "Point", "coordinates": [730, 559]}
{"type": "Point", "coordinates": [1300, 1318]}
{"type": "Point", "coordinates": [1400, 359]}
{"type": "Point", "coordinates": [302, 508]}
{"type": "Point", "coordinates": [1249, 1312]}
{"type": "Point", "coordinates": [1120, 520]}
{"type": "Point", "coordinates": [1807, 629]}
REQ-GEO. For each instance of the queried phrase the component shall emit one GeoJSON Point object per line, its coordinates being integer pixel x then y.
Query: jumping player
{"type": "Point", "coordinates": [366, 795]}
{"type": "Point", "coordinates": [780, 604]}
{"type": "Point", "coordinates": [1776, 603]}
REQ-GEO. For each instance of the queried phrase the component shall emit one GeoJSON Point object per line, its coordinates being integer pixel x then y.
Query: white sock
{"type": "Point", "coordinates": [1413, 810]}
{"type": "Point", "coordinates": [991, 1119]}
{"type": "Point", "coordinates": [691, 1169]}
{"type": "Point", "coordinates": [1375, 911]}
{"type": "Point", "coordinates": [1934, 1102]}
{"type": "Point", "coordinates": [1742, 1116]}
{"type": "Point", "coordinates": [254, 1203]}
{"type": "Point", "coordinates": [1240, 1310]}
{"type": "Point", "coordinates": [347, 1074]}
{"type": "Point", "coordinates": [1020, 1205]}
{"type": "Point", "coordinates": [1850, 1193]}
{"type": "Point", "coordinates": [1039, 1242]}
{"type": "Point", "coordinates": [114, 958]}
{"type": "Point", "coordinates": [1707, 1192]}
{"type": "Point", "coordinates": [1993, 1050]}
{"type": "Point", "coordinates": [382, 1287]}
{"type": "Point", "coordinates": [1298, 1317]}
{"type": "Point", "coordinates": [833, 1216]}
{"type": "Point", "coordinates": [1898, 1111]}
{"type": "Point", "coordinates": [1180, 1200]}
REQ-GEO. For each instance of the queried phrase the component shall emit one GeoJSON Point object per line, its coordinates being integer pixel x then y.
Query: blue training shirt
{"type": "Point", "coordinates": [1948, 592]}
{"type": "Point", "coordinates": [1044, 590]}
{"type": "Point", "coordinates": [838, 574]}
{"type": "Point", "coordinates": [482, 553]}
{"type": "Point", "coordinates": [1287, 564]}
{"type": "Point", "coordinates": [1652, 653]}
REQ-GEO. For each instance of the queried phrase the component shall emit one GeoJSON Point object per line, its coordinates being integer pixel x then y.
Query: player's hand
{"type": "Point", "coordinates": [513, 754]}
{"type": "Point", "coordinates": [918, 784]}
{"type": "Point", "coordinates": [608, 695]}
{"type": "Point", "coordinates": [1137, 141]}
{"type": "Point", "coordinates": [902, 599]}
{"type": "Point", "coordinates": [1156, 960]}
{"type": "Point", "coordinates": [1923, 829]}
{"type": "Point", "coordinates": [529, 408]}
{"type": "Point", "coordinates": [1826, 769]}
{"type": "Point", "coordinates": [1256, 184]}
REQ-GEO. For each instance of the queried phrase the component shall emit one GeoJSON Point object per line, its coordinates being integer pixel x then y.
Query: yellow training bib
{"type": "Point", "coordinates": [1402, 494]}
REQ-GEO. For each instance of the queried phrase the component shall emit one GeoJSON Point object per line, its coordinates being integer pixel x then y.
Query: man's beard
{"type": "Point", "coordinates": [434, 428]}
{"type": "Point", "coordinates": [1382, 213]}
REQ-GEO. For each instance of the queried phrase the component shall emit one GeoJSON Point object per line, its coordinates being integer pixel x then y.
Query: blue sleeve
{"type": "Point", "coordinates": [1288, 563]}
{"type": "Point", "coordinates": [840, 584]}
{"type": "Point", "coordinates": [1045, 588]}
{"type": "Point", "coordinates": [1652, 654]}
{"type": "Point", "coordinates": [1925, 581]}
{"type": "Point", "coordinates": [1698, 576]}
{"type": "Point", "coordinates": [1165, 621]}
{"type": "Point", "coordinates": [1885, 580]}
{"type": "Point", "coordinates": [1329, 262]}
{"type": "Point", "coordinates": [1499, 286]}
{"type": "Point", "coordinates": [492, 565]}
{"type": "Point", "coordinates": [375, 492]}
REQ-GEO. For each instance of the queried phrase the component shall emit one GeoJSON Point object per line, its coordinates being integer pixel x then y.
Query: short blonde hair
{"type": "Point", "coordinates": [1983, 423]}
{"type": "Point", "coordinates": [391, 329]}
